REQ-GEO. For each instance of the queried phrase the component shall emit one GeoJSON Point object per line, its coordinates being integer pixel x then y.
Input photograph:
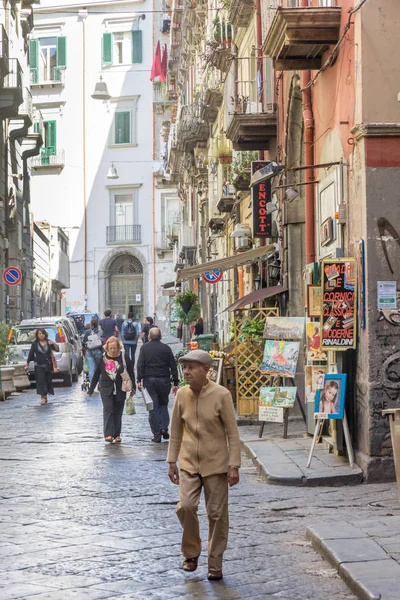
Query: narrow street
{"type": "Point", "coordinates": [85, 520]}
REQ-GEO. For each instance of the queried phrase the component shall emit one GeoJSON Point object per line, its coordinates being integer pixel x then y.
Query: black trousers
{"type": "Point", "coordinates": [159, 389]}
{"type": "Point", "coordinates": [44, 381]}
{"type": "Point", "coordinates": [113, 407]}
{"type": "Point", "coordinates": [130, 351]}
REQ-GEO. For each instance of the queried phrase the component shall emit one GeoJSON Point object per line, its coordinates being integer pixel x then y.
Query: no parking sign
{"type": "Point", "coordinates": [213, 276]}
{"type": "Point", "coordinates": [12, 276]}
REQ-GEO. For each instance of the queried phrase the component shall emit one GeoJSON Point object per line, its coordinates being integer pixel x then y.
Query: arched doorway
{"type": "Point", "coordinates": [126, 286]}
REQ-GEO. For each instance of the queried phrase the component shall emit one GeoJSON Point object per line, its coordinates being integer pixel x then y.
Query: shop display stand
{"type": "Point", "coordinates": [284, 382]}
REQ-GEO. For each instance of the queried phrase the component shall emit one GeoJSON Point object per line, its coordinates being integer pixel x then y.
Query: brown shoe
{"type": "Point", "coordinates": [190, 564]}
{"type": "Point", "coordinates": [215, 575]}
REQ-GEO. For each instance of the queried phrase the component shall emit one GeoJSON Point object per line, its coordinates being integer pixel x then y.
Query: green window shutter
{"type": "Point", "coordinates": [36, 127]}
{"type": "Point", "coordinates": [34, 59]}
{"type": "Point", "coordinates": [137, 46]}
{"type": "Point", "coordinates": [61, 51]}
{"type": "Point", "coordinates": [122, 128]}
{"type": "Point", "coordinates": [107, 49]}
{"type": "Point", "coordinates": [51, 138]}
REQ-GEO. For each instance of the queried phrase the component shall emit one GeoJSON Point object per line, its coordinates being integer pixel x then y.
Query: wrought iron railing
{"type": "Point", "coordinates": [27, 105]}
{"type": "Point", "coordinates": [253, 88]}
{"type": "Point", "coordinates": [57, 75]}
{"type": "Point", "coordinates": [124, 233]}
{"type": "Point", "coordinates": [49, 157]}
{"type": "Point", "coordinates": [14, 77]}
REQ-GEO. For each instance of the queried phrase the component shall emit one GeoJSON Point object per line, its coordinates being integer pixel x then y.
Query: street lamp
{"type": "Point", "coordinates": [101, 91]}
{"type": "Point", "coordinates": [112, 173]}
{"type": "Point", "coordinates": [274, 269]}
{"type": "Point", "coordinates": [257, 282]}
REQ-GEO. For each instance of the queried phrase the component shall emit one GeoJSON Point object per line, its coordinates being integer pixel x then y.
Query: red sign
{"type": "Point", "coordinates": [261, 195]}
{"type": "Point", "coordinates": [213, 276]}
{"type": "Point", "coordinates": [12, 276]}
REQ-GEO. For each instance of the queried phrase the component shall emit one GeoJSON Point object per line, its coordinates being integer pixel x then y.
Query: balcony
{"type": "Point", "coordinates": [211, 94]}
{"type": "Point", "coordinates": [56, 78]}
{"type": "Point", "coordinates": [252, 123]}
{"type": "Point", "coordinates": [4, 46]}
{"type": "Point", "coordinates": [11, 95]}
{"type": "Point", "coordinates": [298, 37]}
{"type": "Point", "coordinates": [19, 126]}
{"type": "Point", "coordinates": [123, 234]}
{"type": "Point", "coordinates": [227, 200]}
{"type": "Point", "coordinates": [240, 12]}
{"type": "Point", "coordinates": [190, 129]}
{"type": "Point", "coordinates": [160, 94]}
{"type": "Point", "coordinates": [49, 158]}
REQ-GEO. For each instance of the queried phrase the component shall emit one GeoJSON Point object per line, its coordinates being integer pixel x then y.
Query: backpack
{"type": "Point", "coordinates": [93, 341]}
{"type": "Point", "coordinates": [130, 333]}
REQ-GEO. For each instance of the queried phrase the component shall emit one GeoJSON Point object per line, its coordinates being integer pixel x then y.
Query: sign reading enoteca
{"type": "Point", "coordinates": [339, 293]}
{"type": "Point", "coordinates": [260, 196]}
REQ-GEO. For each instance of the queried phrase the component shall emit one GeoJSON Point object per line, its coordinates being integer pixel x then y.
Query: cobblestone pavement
{"type": "Point", "coordinates": [85, 520]}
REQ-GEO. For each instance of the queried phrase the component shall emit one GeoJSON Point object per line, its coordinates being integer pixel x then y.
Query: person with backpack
{"type": "Point", "coordinates": [93, 342]}
{"type": "Point", "coordinates": [130, 333]}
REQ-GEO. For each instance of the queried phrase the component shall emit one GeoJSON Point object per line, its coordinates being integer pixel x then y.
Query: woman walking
{"type": "Point", "coordinates": [92, 341]}
{"type": "Point", "coordinates": [41, 353]}
{"type": "Point", "coordinates": [111, 367]}
{"type": "Point", "coordinates": [199, 327]}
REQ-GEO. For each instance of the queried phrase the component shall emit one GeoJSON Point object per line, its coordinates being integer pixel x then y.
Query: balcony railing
{"type": "Point", "coordinates": [4, 48]}
{"type": "Point", "coordinates": [160, 94]}
{"type": "Point", "coordinates": [49, 157]}
{"type": "Point", "coordinates": [124, 233]}
{"type": "Point", "coordinates": [57, 76]}
{"type": "Point", "coordinates": [240, 12]}
{"type": "Point", "coordinates": [14, 78]}
{"type": "Point", "coordinates": [26, 108]}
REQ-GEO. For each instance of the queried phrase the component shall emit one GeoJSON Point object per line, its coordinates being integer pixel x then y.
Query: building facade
{"type": "Point", "coordinates": [248, 90]}
{"type": "Point", "coordinates": [95, 175]}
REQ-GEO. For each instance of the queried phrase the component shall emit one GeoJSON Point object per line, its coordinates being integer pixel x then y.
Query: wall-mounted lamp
{"type": "Point", "coordinates": [257, 282]}
{"type": "Point", "coordinates": [101, 91]}
{"type": "Point", "coordinates": [112, 173]}
{"type": "Point", "coordinates": [17, 176]}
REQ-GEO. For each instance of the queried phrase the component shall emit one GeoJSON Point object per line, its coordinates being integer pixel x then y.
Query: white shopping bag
{"type": "Point", "coordinates": [147, 399]}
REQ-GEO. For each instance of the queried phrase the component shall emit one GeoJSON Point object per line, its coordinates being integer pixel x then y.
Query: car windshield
{"type": "Point", "coordinates": [26, 335]}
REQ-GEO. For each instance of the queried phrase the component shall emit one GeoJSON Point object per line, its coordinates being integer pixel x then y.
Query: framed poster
{"type": "Point", "coordinates": [215, 372]}
{"type": "Point", "coordinates": [339, 303]}
{"type": "Point", "coordinates": [329, 402]}
{"type": "Point", "coordinates": [314, 381]}
{"type": "Point", "coordinates": [283, 397]}
{"type": "Point", "coordinates": [280, 358]}
{"type": "Point", "coordinates": [313, 339]}
{"type": "Point", "coordinates": [284, 328]}
{"type": "Point", "coordinates": [314, 301]}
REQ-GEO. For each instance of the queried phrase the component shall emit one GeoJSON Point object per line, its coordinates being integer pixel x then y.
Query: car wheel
{"type": "Point", "coordinates": [68, 378]}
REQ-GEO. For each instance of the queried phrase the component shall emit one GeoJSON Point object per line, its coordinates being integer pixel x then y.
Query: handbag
{"type": "Point", "coordinates": [148, 401]}
{"type": "Point", "coordinates": [127, 385]}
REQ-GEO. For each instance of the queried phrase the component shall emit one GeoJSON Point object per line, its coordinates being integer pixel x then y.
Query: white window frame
{"type": "Point", "coordinates": [125, 104]}
{"type": "Point", "coordinates": [129, 190]}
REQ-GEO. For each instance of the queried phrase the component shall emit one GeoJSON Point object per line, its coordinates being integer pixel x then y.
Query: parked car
{"type": "Point", "coordinates": [74, 338]}
{"type": "Point", "coordinates": [82, 320]}
{"type": "Point", "coordinates": [67, 359]}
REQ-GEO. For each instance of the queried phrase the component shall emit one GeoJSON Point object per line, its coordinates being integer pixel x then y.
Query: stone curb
{"type": "Point", "coordinates": [365, 567]}
{"type": "Point", "coordinates": [297, 478]}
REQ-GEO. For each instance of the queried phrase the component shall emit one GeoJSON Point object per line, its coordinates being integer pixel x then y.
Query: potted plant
{"type": "Point", "coordinates": [240, 103]}
{"type": "Point", "coordinates": [224, 154]}
{"type": "Point", "coordinates": [239, 173]}
{"type": "Point", "coordinates": [6, 370]}
{"type": "Point", "coordinates": [188, 308]}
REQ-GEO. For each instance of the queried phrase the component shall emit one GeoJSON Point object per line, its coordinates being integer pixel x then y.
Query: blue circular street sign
{"type": "Point", "coordinates": [213, 276]}
{"type": "Point", "coordinates": [12, 276]}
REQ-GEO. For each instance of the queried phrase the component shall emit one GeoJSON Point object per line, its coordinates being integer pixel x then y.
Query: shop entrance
{"type": "Point", "coordinates": [126, 286]}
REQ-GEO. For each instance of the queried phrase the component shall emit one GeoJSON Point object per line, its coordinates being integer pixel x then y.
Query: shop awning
{"type": "Point", "coordinates": [256, 296]}
{"type": "Point", "coordinates": [241, 258]}
{"type": "Point", "coordinates": [170, 284]}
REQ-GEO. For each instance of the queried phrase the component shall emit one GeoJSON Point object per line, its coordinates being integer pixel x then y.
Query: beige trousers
{"type": "Point", "coordinates": [216, 497]}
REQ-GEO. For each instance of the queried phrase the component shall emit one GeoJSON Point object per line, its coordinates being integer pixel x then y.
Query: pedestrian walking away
{"type": "Point", "coordinates": [112, 369]}
{"type": "Point", "coordinates": [155, 367]}
{"type": "Point", "coordinates": [205, 441]}
{"type": "Point", "coordinates": [92, 341]}
{"type": "Point", "coordinates": [130, 333]}
{"type": "Point", "coordinates": [147, 325]}
{"type": "Point", "coordinates": [108, 325]}
{"type": "Point", "coordinates": [41, 352]}
{"type": "Point", "coordinates": [199, 327]}
{"type": "Point", "coordinates": [119, 321]}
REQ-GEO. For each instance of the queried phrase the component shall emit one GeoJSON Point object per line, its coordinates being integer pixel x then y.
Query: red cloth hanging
{"type": "Point", "coordinates": [156, 68]}
{"type": "Point", "coordinates": [164, 64]}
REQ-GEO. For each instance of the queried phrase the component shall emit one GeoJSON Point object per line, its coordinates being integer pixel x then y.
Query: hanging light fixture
{"type": "Point", "coordinates": [112, 173]}
{"type": "Point", "coordinates": [120, 210]}
{"type": "Point", "coordinates": [101, 91]}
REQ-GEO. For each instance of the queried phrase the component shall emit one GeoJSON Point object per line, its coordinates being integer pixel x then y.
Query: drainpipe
{"type": "Point", "coordinates": [83, 15]}
{"type": "Point", "coordinates": [153, 199]}
{"type": "Point", "coordinates": [308, 118]}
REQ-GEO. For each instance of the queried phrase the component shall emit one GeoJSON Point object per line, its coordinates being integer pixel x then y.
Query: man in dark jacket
{"type": "Point", "coordinates": [155, 366]}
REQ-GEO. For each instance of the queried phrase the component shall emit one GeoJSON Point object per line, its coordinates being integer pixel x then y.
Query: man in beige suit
{"type": "Point", "coordinates": [205, 440]}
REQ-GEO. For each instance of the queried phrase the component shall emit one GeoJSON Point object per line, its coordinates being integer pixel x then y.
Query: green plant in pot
{"type": "Point", "coordinates": [188, 307]}
{"type": "Point", "coordinates": [252, 330]}
{"type": "Point", "coordinates": [6, 350]}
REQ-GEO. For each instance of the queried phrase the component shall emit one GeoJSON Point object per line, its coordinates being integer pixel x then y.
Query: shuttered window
{"type": "Point", "coordinates": [47, 59]}
{"type": "Point", "coordinates": [34, 60]}
{"type": "Point", "coordinates": [137, 46]}
{"type": "Point", "coordinates": [107, 49]}
{"type": "Point", "coordinates": [122, 128]}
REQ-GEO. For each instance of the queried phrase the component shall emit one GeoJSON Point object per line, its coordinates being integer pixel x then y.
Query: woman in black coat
{"type": "Point", "coordinates": [41, 353]}
{"type": "Point", "coordinates": [110, 368]}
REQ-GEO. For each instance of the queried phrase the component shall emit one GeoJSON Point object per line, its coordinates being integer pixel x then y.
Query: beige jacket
{"type": "Point", "coordinates": [204, 433]}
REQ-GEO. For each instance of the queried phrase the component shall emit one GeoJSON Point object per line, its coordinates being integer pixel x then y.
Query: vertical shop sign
{"type": "Point", "coordinates": [261, 195]}
{"type": "Point", "coordinates": [339, 294]}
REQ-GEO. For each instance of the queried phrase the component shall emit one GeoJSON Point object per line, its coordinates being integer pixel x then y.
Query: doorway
{"type": "Point", "coordinates": [126, 286]}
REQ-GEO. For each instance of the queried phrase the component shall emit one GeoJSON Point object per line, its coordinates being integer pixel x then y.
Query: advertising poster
{"type": "Point", "coordinates": [284, 328]}
{"type": "Point", "coordinates": [329, 401]}
{"type": "Point", "coordinates": [314, 381]}
{"type": "Point", "coordinates": [387, 295]}
{"type": "Point", "coordinates": [339, 310]}
{"type": "Point", "coordinates": [280, 358]}
{"type": "Point", "coordinates": [313, 339]}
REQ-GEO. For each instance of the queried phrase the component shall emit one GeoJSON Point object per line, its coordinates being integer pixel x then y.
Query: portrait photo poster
{"type": "Point", "coordinates": [280, 358]}
{"type": "Point", "coordinates": [329, 401]}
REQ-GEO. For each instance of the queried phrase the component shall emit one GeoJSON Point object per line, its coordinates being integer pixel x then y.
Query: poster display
{"type": "Point", "coordinates": [284, 328]}
{"type": "Point", "coordinates": [260, 196]}
{"type": "Point", "coordinates": [314, 381]}
{"type": "Point", "coordinates": [280, 358]}
{"type": "Point", "coordinates": [313, 339]}
{"type": "Point", "coordinates": [339, 294]}
{"type": "Point", "coordinates": [215, 372]}
{"type": "Point", "coordinates": [314, 301]}
{"type": "Point", "coordinates": [329, 401]}
{"type": "Point", "coordinates": [387, 298]}
{"type": "Point", "coordinates": [273, 414]}
{"type": "Point", "coordinates": [284, 397]}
